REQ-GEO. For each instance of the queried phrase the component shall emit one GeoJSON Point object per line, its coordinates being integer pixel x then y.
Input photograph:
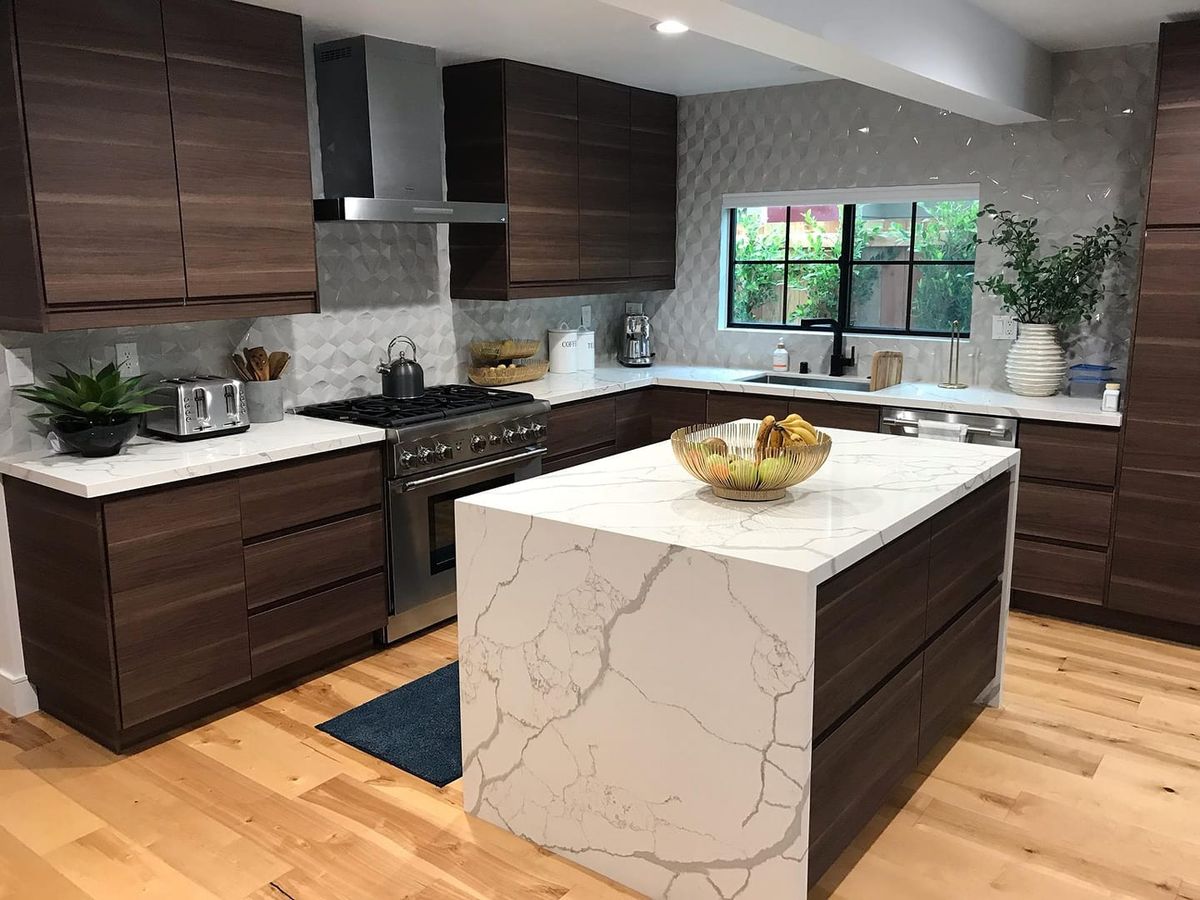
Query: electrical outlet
{"type": "Point", "coordinates": [585, 317]}
{"type": "Point", "coordinates": [127, 359]}
{"type": "Point", "coordinates": [1004, 328]}
{"type": "Point", "coordinates": [633, 308]}
{"type": "Point", "coordinates": [18, 363]}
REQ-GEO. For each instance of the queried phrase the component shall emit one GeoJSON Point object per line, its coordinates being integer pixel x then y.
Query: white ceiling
{"type": "Point", "coordinates": [586, 36]}
{"type": "Point", "coordinates": [1083, 24]}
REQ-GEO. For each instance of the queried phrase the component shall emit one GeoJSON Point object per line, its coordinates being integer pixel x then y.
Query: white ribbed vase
{"type": "Point", "coordinates": [1036, 362]}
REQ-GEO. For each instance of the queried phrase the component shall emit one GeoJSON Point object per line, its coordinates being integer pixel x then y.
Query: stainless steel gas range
{"type": "Point", "coordinates": [454, 441]}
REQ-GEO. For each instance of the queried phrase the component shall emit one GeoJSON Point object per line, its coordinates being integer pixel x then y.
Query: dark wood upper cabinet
{"type": "Point", "coordinates": [587, 168]}
{"type": "Point", "coordinates": [155, 163]}
{"type": "Point", "coordinates": [241, 148]}
{"type": "Point", "coordinates": [1174, 187]}
{"type": "Point", "coordinates": [98, 125]}
{"type": "Point", "coordinates": [652, 183]}
{"type": "Point", "coordinates": [604, 180]}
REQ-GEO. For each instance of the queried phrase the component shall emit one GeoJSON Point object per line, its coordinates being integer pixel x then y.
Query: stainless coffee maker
{"type": "Point", "coordinates": [636, 346]}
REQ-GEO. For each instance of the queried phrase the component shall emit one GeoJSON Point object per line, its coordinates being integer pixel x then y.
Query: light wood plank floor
{"type": "Point", "coordinates": [1086, 785]}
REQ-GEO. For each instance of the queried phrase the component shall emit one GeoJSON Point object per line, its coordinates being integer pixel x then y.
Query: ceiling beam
{"type": "Point", "coordinates": [945, 53]}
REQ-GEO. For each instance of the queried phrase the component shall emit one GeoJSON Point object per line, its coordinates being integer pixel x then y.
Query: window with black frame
{"type": "Point", "coordinates": [904, 267]}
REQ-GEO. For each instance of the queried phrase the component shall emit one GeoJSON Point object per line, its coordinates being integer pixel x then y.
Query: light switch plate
{"type": "Point", "coordinates": [18, 363]}
{"type": "Point", "coordinates": [1004, 328]}
{"type": "Point", "coordinates": [633, 308]}
{"type": "Point", "coordinates": [127, 359]}
{"type": "Point", "coordinates": [585, 317]}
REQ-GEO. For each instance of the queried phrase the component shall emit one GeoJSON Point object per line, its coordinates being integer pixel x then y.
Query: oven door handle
{"type": "Point", "coordinates": [521, 457]}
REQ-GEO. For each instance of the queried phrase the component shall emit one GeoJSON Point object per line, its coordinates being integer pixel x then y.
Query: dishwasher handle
{"type": "Point", "coordinates": [1000, 432]}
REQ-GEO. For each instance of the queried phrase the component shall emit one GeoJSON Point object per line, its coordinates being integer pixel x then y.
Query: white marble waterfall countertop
{"type": "Point", "coordinates": [149, 462]}
{"type": "Point", "coordinates": [872, 490]}
{"type": "Point", "coordinates": [609, 379]}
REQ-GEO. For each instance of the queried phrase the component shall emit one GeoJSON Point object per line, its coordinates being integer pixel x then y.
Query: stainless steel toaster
{"type": "Point", "coordinates": [197, 406]}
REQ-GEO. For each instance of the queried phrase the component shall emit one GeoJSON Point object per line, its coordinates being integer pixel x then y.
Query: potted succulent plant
{"type": "Point", "coordinates": [94, 414]}
{"type": "Point", "coordinates": [1048, 292]}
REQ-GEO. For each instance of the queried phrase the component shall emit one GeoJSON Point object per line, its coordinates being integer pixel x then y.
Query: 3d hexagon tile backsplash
{"type": "Point", "coordinates": [380, 280]}
{"type": "Point", "coordinates": [1073, 172]}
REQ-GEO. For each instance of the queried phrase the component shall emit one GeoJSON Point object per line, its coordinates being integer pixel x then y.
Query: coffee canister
{"type": "Point", "coordinates": [586, 350]}
{"type": "Point", "coordinates": [564, 347]}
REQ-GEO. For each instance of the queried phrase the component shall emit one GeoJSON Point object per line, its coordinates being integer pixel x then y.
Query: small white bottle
{"type": "Point", "coordinates": [1111, 401]}
{"type": "Point", "coordinates": [779, 359]}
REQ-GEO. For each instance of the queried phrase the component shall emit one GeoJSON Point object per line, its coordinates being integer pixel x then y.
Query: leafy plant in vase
{"type": "Point", "coordinates": [93, 414]}
{"type": "Point", "coordinates": [1047, 292]}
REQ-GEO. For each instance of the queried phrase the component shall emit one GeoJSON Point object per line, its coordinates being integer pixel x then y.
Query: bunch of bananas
{"type": "Point", "coordinates": [777, 435]}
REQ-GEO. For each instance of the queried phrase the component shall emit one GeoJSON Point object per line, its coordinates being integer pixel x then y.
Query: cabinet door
{"type": "Point", "coordinates": [672, 408]}
{"type": "Point", "coordinates": [825, 414]}
{"type": "Point", "coordinates": [1174, 189]}
{"type": "Point", "coordinates": [586, 425]}
{"type": "Point", "coordinates": [726, 406]}
{"type": "Point", "coordinates": [542, 121]}
{"type": "Point", "coordinates": [98, 120]}
{"type": "Point", "coordinates": [603, 179]}
{"type": "Point", "coordinates": [652, 176]}
{"type": "Point", "coordinates": [178, 597]}
{"type": "Point", "coordinates": [241, 139]}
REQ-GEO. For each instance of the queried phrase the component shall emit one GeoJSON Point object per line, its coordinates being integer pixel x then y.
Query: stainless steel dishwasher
{"type": "Point", "coordinates": [996, 431]}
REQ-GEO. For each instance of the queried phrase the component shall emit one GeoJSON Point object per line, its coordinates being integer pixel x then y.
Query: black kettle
{"type": "Point", "coordinates": [403, 378]}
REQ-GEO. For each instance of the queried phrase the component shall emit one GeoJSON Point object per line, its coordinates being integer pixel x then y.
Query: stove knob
{"type": "Point", "coordinates": [538, 429]}
{"type": "Point", "coordinates": [494, 438]}
{"type": "Point", "coordinates": [478, 443]}
{"type": "Point", "coordinates": [424, 455]}
{"type": "Point", "coordinates": [509, 436]}
{"type": "Point", "coordinates": [443, 452]}
{"type": "Point", "coordinates": [404, 459]}
{"type": "Point", "coordinates": [524, 432]}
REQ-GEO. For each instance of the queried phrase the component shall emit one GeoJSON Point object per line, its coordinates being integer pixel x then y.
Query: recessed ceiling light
{"type": "Point", "coordinates": [670, 26]}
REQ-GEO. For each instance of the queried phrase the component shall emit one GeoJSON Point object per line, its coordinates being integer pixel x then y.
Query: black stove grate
{"type": "Point", "coordinates": [440, 402]}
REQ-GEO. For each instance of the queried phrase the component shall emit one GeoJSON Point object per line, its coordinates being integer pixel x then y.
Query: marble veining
{"type": "Point", "coordinates": [637, 655]}
{"type": "Point", "coordinates": [148, 462]}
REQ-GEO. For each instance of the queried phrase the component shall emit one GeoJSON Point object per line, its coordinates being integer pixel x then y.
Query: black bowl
{"type": "Point", "coordinates": [92, 439]}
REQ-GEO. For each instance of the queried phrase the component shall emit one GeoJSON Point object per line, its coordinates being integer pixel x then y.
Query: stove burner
{"type": "Point", "coordinates": [439, 402]}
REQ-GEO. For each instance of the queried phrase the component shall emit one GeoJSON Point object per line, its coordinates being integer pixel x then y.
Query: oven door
{"type": "Point", "coordinates": [421, 527]}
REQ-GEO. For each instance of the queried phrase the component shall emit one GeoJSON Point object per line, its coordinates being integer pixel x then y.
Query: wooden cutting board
{"type": "Point", "coordinates": [887, 368]}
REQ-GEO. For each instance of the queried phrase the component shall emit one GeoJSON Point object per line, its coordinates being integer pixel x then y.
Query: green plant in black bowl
{"type": "Point", "coordinates": [94, 414]}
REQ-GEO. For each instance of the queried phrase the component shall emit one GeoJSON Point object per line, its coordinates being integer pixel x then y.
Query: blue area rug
{"type": "Point", "coordinates": [416, 727]}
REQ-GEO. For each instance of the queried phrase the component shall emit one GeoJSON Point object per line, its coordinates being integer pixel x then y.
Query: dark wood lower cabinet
{"type": "Point", "coordinates": [726, 406]}
{"type": "Point", "coordinates": [825, 414]}
{"type": "Point", "coordinates": [885, 690]}
{"type": "Point", "coordinates": [141, 612]}
{"type": "Point", "coordinates": [966, 551]}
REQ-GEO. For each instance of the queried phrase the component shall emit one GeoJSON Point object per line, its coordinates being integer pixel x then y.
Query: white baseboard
{"type": "Point", "coordinates": [17, 696]}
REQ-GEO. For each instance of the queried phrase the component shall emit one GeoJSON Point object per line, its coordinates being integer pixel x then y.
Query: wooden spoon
{"type": "Point", "coordinates": [239, 364]}
{"type": "Point", "coordinates": [278, 361]}
{"type": "Point", "coordinates": [260, 363]}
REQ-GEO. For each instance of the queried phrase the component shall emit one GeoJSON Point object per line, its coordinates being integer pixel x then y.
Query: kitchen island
{"type": "Point", "coordinates": [701, 698]}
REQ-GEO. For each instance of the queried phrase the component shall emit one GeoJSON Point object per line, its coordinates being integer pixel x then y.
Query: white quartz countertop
{"type": "Point", "coordinates": [607, 379]}
{"type": "Point", "coordinates": [873, 489]}
{"type": "Point", "coordinates": [148, 462]}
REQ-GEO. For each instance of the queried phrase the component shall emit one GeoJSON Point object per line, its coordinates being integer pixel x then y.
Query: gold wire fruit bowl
{"type": "Point", "coordinates": [728, 459]}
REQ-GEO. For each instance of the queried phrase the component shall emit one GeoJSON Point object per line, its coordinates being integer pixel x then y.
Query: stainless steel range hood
{"type": "Point", "coordinates": [380, 116]}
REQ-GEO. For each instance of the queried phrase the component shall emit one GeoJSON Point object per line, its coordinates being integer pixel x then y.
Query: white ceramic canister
{"type": "Point", "coordinates": [586, 350]}
{"type": "Point", "coordinates": [564, 349]}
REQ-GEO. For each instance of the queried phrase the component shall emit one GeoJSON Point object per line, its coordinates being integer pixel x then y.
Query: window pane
{"type": "Point", "coordinates": [946, 229]}
{"type": "Point", "coordinates": [812, 291]}
{"type": "Point", "coordinates": [816, 232]}
{"type": "Point", "coordinates": [942, 294]}
{"type": "Point", "coordinates": [758, 293]}
{"type": "Point", "coordinates": [878, 296]}
{"type": "Point", "coordinates": [882, 231]}
{"type": "Point", "coordinates": [760, 233]}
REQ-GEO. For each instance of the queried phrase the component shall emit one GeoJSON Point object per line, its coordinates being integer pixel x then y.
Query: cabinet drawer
{"type": "Point", "coordinates": [959, 664]}
{"type": "Point", "coordinates": [725, 406]}
{"type": "Point", "coordinates": [288, 496]}
{"type": "Point", "coordinates": [296, 630]}
{"type": "Point", "coordinates": [297, 563]}
{"type": "Point", "coordinates": [580, 426]}
{"type": "Point", "coordinates": [557, 463]}
{"type": "Point", "coordinates": [858, 765]}
{"type": "Point", "coordinates": [1064, 514]}
{"type": "Point", "coordinates": [1068, 453]}
{"type": "Point", "coordinates": [824, 414]}
{"type": "Point", "coordinates": [1055, 571]}
{"type": "Point", "coordinates": [673, 408]}
{"type": "Point", "coordinates": [966, 551]}
{"type": "Point", "coordinates": [633, 419]}
{"type": "Point", "coordinates": [870, 618]}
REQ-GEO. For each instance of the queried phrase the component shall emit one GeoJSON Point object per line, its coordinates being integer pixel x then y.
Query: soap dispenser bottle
{"type": "Point", "coordinates": [779, 359]}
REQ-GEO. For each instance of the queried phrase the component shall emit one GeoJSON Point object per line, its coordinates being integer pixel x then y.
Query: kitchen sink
{"type": "Point", "coordinates": [828, 382]}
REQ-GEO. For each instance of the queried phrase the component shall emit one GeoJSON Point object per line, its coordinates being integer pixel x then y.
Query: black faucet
{"type": "Point", "coordinates": [837, 362]}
